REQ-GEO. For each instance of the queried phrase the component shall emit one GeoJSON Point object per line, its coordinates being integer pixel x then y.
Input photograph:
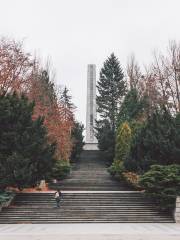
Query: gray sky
{"type": "Point", "coordinates": [77, 32]}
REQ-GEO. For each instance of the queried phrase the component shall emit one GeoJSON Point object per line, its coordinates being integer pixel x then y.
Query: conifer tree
{"type": "Point", "coordinates": [47, 86]}
{"type": "Point", "coordinates": [66, 100]}
{"type": "Point", "coordinates": [123, 141]}
{"type": "Point", "coordinates": [25, 155]}
{"type": "Point", "coordinates": [133, 107]}
{"type": "Point", "coordinates": [106, 140]}
{"type": "Point", "coordinates": [77, 139]}
{"type": "Point", "coordinates": [156, 142]}
{"type": "Point", "coordinates": [111, 90]}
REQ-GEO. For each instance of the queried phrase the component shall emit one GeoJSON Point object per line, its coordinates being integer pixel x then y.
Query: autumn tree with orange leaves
{"type": "Point", "coordinates": [16, 67]}
{"type": "Point", "coordinates": [58, 117]}
{"type": "Point", "coordinates": [22, 73]}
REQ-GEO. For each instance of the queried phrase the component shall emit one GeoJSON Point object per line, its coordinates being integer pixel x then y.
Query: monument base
{"type": "Point", "coordinates": [91, 146]}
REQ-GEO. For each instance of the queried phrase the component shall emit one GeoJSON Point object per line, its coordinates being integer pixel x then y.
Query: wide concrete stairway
{"type": "Point", "coordinates": [101, 207]}
{"type": "Point", "coordinates": [92, 197]}
{"type": "Point", "coordinates": [90, 174]}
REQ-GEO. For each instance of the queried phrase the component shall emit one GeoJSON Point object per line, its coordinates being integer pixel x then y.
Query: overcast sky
{"type": "Point", "coordinates": [77, 32]}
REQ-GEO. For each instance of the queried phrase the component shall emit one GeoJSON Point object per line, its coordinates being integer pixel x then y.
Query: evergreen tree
{"type": "Point", "coordinates": [123, 141]}
{"type": "Point", "coordinates": [66, 100]}
{"type": "Point", "coordinates": [25, 155]}
{"type": "Point", "coordinates": [106, 140]}
{"type": "Point", "coordinates": [47, 94]}
{"type": "Point", "coordinates": [133, 107]}
{"type": "Point", "coordinates": [156, 142]}
{"type": "Point", "coordinates": [48, 85]}
{"type": "Point", "coordinates": [77, 139]}
{"type": "Point", "coordinates": [111, 90]}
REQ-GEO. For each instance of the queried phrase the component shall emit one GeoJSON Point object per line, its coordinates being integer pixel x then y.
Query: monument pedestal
{"type": "Point", "coordinates": [90, 146]}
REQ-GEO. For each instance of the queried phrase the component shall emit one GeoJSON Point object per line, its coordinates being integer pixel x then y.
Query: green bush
{"type": "Point", "coordinates": [163, 184]}
{"type": "Point", "coordinates": [117, 169]}
{"type": "Point", "coordinates": [5, 196]}
{"type": "Point", "coordinates": [157, 141]}
{"type": "Point", "coordinates": [61, 169]}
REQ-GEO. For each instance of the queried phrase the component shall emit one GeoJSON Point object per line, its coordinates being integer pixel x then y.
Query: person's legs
{"type": "Point", "coordinates": [58, 202]}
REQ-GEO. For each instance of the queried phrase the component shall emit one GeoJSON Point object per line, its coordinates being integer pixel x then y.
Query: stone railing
{"type": "Point", "coordinates": [7, 203]}
{"type": "Point", "coordinates": [177, 210]}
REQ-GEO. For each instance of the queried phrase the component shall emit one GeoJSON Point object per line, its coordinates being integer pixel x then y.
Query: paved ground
{"type": "Point", "coordinates": [90, 231]}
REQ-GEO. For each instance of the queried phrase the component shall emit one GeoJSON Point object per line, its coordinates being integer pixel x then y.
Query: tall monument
{"type": "Point", "coordinates": [91, 141]}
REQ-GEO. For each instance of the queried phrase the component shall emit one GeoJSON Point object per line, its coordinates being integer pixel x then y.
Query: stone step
{"type": "Point", "coordinates": [86, 188]}
{"type": "Point", "coordinates": [92, 218]}
{"type": "Point", "coordinates": [89, 173]}
{"type": "Point", "coordinates": [83, 213]}
{"type": "Point", "coordinates": [83, 208]}
{"type": "Point", "coordinates": [101, 206]}
{"type": "Point", "coordinates": [67, 210]}
{"type": "Point", "coordinates": [84, 221]}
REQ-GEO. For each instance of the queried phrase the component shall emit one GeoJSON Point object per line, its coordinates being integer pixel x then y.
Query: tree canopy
{"type": "Point", "coordinates": [25, 155]}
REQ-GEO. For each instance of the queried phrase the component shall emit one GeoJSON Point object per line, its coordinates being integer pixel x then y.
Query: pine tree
{"type": "Point", "coordinates": [106, 140]}
{"type": "Point", "coordinates": [25, 155]}
{"type": "Point", "coordinates": [47, 87]}
{"type": "Point", "coordinates": [111, 90]}
{"type": "Point", "coordinates": [66, 100]}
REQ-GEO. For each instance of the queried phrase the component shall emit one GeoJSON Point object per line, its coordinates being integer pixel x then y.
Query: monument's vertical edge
{"type": "Point", "coordinates": [91, 141]}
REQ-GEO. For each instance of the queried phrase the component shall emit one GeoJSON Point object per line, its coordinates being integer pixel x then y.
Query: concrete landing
{"type": "Point", "coordinates": [166, 231]}
{"type": "Point", "coordinates": [91, 146]}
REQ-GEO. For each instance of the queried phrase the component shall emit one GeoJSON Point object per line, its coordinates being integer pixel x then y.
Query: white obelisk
{"type": "Point", "coordinates": [91, 141]}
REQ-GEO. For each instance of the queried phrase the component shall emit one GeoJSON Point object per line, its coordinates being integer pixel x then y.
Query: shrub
{"type": "Point", "coordinates": [5, 196]}
{"type": "Point", "coordinates": [117, 169]}
{"type": "Point", "coordinates": [162, 183]}
{"type": "Point", "coordinates": [132, 179]}
{"type": "Point", "coordinates": [61, 169]}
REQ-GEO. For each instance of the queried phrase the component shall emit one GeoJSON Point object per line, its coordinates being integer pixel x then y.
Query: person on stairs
{"type": "Point", "coordinates": [57, 196]}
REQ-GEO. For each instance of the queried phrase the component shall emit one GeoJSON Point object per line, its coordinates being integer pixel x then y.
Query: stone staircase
{"type": "Point", "coordinates": [90, 195]}
{"type": "Point", "coordinates": [90, 174]}
{"type": "Point", "coordinates": [84, 207]}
